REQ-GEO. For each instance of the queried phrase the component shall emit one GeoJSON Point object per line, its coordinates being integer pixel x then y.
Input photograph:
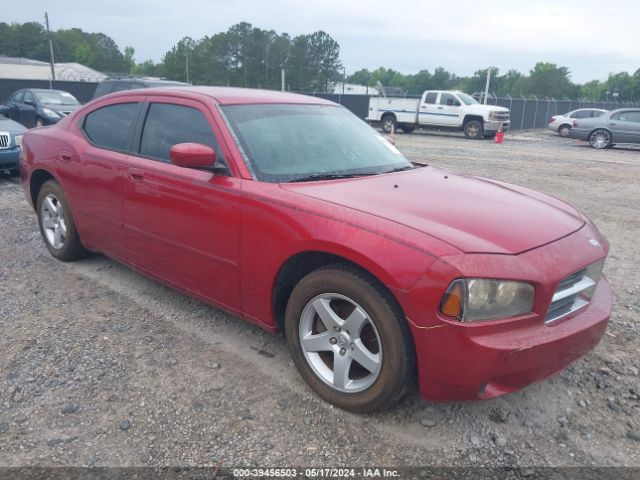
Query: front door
{"type": "Point", "coordinates": [182, 225]}
{"type": "Point", "coordinates": [449, 110]}
{"type": "Point", "coordinates": [625, 126]}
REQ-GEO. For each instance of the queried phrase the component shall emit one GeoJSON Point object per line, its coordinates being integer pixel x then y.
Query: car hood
{"type": "Point", "coordinates": [473, 214]}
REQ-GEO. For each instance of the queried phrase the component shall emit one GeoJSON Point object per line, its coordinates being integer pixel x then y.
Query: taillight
{"type": "Point", "coordinates": [552, 119]}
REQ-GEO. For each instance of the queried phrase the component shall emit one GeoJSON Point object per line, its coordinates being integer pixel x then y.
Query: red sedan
{"type": "Point", "coordinates": [295, 215]}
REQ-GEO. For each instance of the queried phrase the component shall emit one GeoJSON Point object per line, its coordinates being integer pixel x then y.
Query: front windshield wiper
{"type": "Point", "coordinates": [329, 176]}
{"type": "Point", "coordinates": [401, 169]}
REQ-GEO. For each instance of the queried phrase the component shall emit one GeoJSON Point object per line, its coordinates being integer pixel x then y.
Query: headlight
{"type": "Point", "coordinates": [18, 140]}
{"type": "Point", "coordinates": [473, 299]}
{"type": "Point", "coordinates": [50, 113]}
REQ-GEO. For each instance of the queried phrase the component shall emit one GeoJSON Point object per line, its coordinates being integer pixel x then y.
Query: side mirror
{"type": "Point", "coordinates": [192, 155]}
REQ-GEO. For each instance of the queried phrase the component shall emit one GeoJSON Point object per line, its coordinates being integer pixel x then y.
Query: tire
{"type": "Point", "coordinates": [474, 130]}
{"type": "Point", "coordinates": [600, 138]}
{"type": "Point", "coordinates": [39, 122]}
{"type": "Point", "coordinates": [57, 227]}
{"type": "Point", "coordinates": [388, 123]}
{"type": "Point", "coordinates": [348, 297]}
{"type": "Point", "coordinates": [564, 130]}
{"type": "Point", "coordinates": [407, 128]}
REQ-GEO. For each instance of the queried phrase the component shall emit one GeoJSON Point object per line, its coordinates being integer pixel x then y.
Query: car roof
{"type": "Point", "coordinates": [234, 95]}
{"type": "Point", "coordinates": [45, 90]}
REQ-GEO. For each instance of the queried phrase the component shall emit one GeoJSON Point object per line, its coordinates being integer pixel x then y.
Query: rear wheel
{"type": "Point", "coordinates": [407, 128]}
{"type": "Point", "coordinates": [600, 138]}
{"type": "Point", "coordinates": [348, 339]}
{"type": "Point", "coordinates": [56, 224]}
{"type": "Point", "coordinates": [564, 130]}
{"type": "Point", "coordinates": [388, 124]}
{"type": "Point", "coordinates": [474, 129]}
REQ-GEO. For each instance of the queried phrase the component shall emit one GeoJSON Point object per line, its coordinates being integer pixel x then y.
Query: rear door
{"type": "Point", "coordinates": [428, 111]}
{"type": "Point", "coordinates": [96, 169]}
{"type": "Point", "coordinates": [183, 225]}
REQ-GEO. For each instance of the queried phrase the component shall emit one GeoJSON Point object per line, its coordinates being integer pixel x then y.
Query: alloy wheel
{"type": "Point", "coordinates": [53, 220]}
{"type": "Point", "coordinates": [340, 342]}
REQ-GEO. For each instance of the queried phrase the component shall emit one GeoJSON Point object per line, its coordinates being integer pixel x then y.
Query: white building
{"type": "Point", "coordinates": [26, 69]}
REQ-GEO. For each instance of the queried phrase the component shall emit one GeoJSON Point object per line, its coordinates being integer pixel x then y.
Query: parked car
{"type": "Point", "coordinates": [439, 109]}
{"type": "Point", "coordinates": [10, 140]}
{"type": "Point", "coordinates": [112, 85]}
{"type": "Point", "coordinates": [617, 126]}
{"type": "Point", "coordinates": [563, 123]}
{"type": "Point", "coordinates": [294, 214]}
{"type": "Point", "coordinates": [34, 107]}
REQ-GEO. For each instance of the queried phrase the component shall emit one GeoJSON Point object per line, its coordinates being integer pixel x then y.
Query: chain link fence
{"type": "Point", "coordinates": [536, 112]}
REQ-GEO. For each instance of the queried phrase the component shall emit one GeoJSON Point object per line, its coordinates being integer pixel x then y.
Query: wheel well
{"type": "Point", "coordinates": [468, 118]}
{"type": "Point", "coordinates": [37, 180]}
{"type": "Point", "coordinates": [388, 114]}
{"type": "Point", "coordinates": [299, 266]}
{"type": "Point", "coordinates": [565, 125]}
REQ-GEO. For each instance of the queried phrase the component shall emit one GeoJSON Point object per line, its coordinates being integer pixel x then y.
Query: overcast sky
{"type": "Point", "coordinates": [591, 38]}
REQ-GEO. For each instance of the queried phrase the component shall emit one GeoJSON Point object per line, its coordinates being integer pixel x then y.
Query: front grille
{"type": "Point", "coordinates": [574, 292]}
{"type": "Point", "coordinates": [502, 116]}
{"type": "Point", "coordinates": [5, 140]}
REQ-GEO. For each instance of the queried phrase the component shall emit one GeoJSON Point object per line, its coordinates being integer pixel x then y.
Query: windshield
{"type": "Point", "coordinates": [467, 99]}
{"type": "Point", "coordinates": [285, 143]}
{"type": "Point", "coordinates": [55, 97]}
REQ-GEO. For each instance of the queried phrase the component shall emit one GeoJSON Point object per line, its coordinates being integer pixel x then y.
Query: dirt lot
{"type": "Point", "coordinates": [101, 366]}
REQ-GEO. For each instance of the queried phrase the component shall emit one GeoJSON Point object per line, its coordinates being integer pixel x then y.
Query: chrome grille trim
{"type": "Point", "coordinates": [567, 297]}
{"type": "Point", "coordinates": [5, 140]}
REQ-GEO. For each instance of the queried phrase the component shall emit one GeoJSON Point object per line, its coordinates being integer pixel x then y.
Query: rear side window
{"type": "Point", "coordinates": [582, 114]}
{"type": "Point", "coordinates": [167, 125]}
{"type": "Point", "coordinates": [431, 97]}
{"type": "Point", "coordinates": [597, 113]}
{"type": "Point", "coordinates": [110, 127]}
{"type": "Point", "coordinates": [18, 96]}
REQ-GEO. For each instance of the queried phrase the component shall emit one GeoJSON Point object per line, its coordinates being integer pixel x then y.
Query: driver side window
{"type": "Point", "coordinates": [449, 100]}
{"type": "Point", "coordinates": [29, 98]}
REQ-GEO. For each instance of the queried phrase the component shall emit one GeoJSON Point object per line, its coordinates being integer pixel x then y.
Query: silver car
{"type": "Point", "coordinates": [562, 123]}
{"type": "Point", "coordinates": [615, 127]}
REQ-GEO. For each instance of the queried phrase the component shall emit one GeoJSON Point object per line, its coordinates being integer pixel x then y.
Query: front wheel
{"type": "Point", "coordinates": [388, 124]}
{"type": "Point", "coordinates": [56, 224]}
{"type": "Point", "coordinates": [349, 339]}
{"type": "Point", "coordinates": [600, 138]}
{"type": "Point", "coordinates": [474, 129]}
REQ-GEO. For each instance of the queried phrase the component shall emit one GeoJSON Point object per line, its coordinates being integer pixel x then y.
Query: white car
{"type": "Point", "coordinates": [562, 123]}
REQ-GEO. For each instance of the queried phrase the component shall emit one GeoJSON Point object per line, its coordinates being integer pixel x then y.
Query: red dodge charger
{"type": "Point", "coordinates": [294, 214]}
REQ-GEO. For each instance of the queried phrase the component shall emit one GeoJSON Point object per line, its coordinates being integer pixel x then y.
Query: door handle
{"type": "Point", "coordinates": [440, 108]}
{"type": "Point", "coordinates": [612, 123]}
{"type": "Point", "coordinates": [136, 175]}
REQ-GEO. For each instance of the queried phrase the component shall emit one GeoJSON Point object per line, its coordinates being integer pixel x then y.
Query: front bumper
{"type": "Point", "coordinates": [472, 361]}
{"type": "Point", "coordinates": [9, 158]}
{"type": "Point", "coordinates": [494, 125]}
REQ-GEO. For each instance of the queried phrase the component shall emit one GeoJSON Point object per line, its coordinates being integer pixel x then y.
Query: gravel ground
{"type": "Point", "coordinates": [101, 366]}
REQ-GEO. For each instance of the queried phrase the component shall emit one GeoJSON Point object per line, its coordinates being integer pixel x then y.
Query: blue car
{"type": "Point", "coordinates": [10, 141]}
{"type": "Point", "coordinates": [35, 107]}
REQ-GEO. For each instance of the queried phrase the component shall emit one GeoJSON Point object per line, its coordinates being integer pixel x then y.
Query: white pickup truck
{"type": "Point", "coordinates": [439, 109]}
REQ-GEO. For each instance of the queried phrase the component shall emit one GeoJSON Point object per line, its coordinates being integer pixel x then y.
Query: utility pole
{"type": "Point", "coordinates": [53, 69]}
{"type": "Point", "coordinates": [282, 76]}
{"type": "Point", "coordinates": [486, 88]}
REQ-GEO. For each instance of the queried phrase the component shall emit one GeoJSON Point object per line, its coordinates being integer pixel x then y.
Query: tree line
{"type": "Point", "coordinates": [248, 56]}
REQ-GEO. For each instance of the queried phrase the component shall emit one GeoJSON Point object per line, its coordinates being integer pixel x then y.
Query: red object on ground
{"type": "Point", "coordinates": [499, 137]}
{"type": "Point", "coordinates": [232, 240]}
